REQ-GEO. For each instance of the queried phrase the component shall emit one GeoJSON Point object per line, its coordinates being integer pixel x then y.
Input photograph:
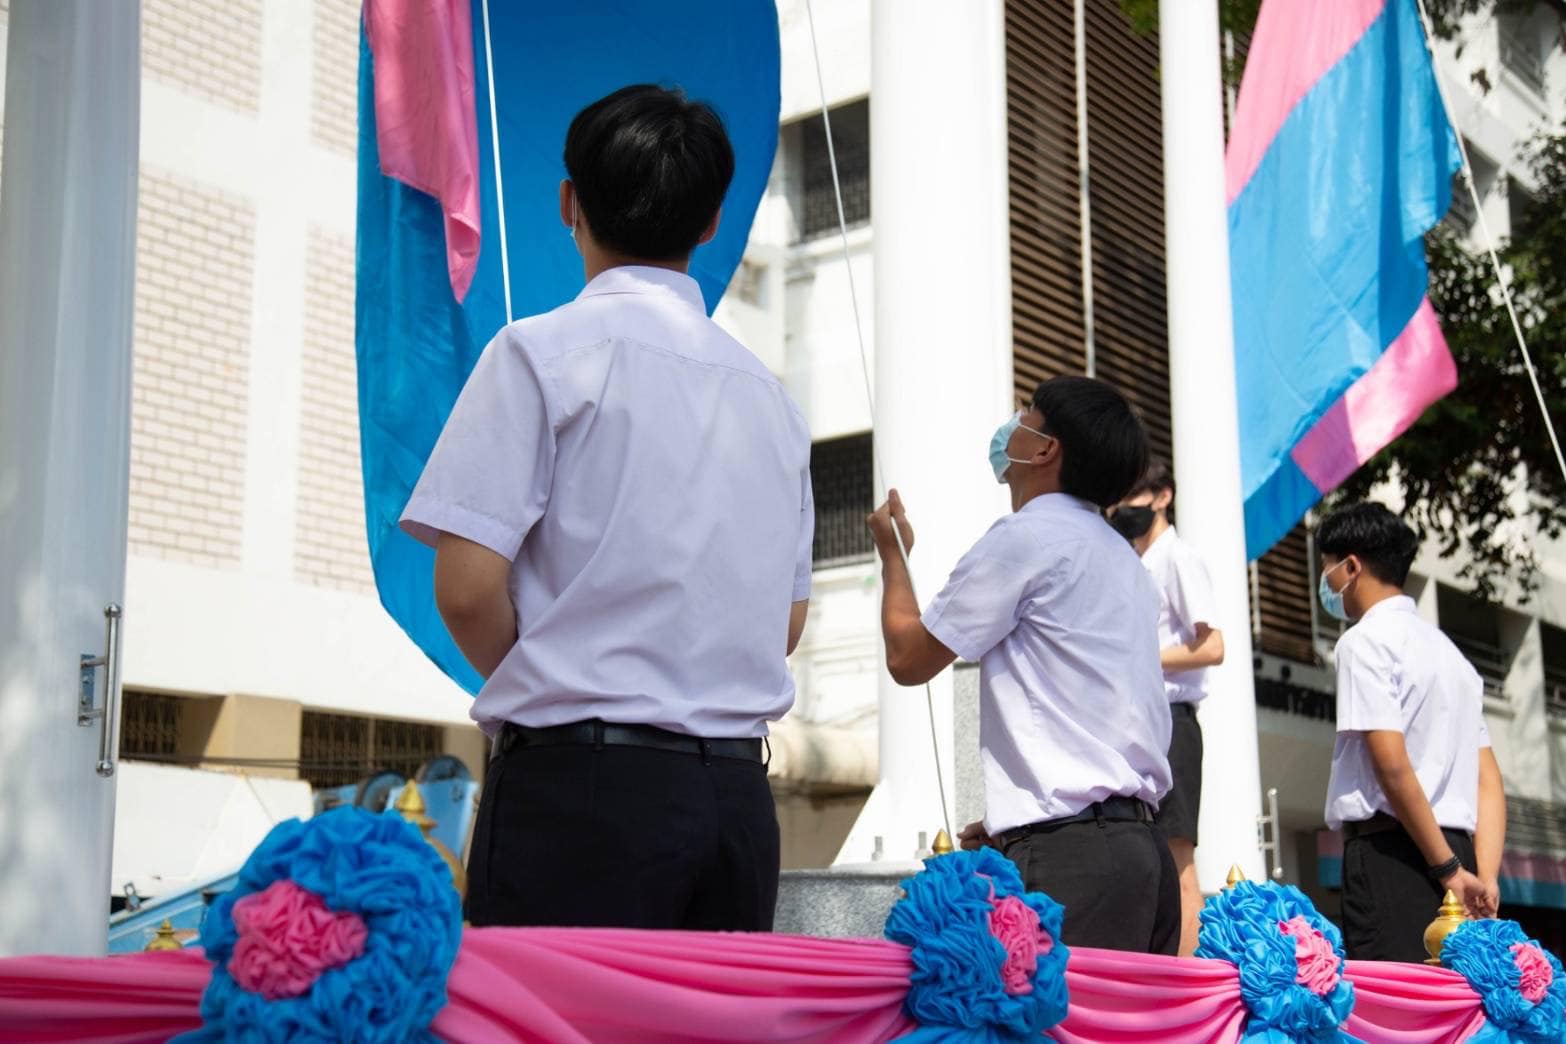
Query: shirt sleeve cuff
{"type": "Point", "coordinates": [425, 520]}
{"type": "Point", "coordinates": [947, 635]}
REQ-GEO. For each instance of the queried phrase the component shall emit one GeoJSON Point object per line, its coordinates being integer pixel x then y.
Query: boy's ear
{"type": "Point", "coordinates": [711, 229]}
{"type": "Point", "coordinates": [1163, 499]}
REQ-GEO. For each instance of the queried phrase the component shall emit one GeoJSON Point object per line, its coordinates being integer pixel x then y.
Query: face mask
{"type": "Point", "coordinates": [1133, 522]}
{"type": "Point", "coordinates": [998, 458]}
{"type": "Point", "coordinates": [1332, 601]}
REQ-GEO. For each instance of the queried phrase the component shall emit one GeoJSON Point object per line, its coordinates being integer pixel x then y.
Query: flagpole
{"type": "Point", "coordinates": [67, 264]}
{"type": "Point", "coordinates": [1206, 423]}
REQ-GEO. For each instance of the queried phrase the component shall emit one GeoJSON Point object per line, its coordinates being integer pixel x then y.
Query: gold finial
{"type": "Point", "coordinates": [1447, 921]}
{"type": "Point", "coordinates": [1236, 875]}
{"type": "Point", "coordinates": [943, 843]}
{"type": "Point", "coordinates": [410, 806]}
{"type": "Point", "coordinates": [164, 939]}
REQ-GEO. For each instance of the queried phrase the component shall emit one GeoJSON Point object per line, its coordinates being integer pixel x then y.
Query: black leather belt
{"type": "Point", "coordinates": [599, 734]}
{"type": "Point", "coordinates": [1111, 809]}
{"type": "Point", "coordinates": [1382, 823]}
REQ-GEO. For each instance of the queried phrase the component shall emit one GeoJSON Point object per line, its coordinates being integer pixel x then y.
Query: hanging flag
{"type": "Point", "coordinates": [1340, 160]}
{"type": "Point", "coordinates": [435, 273]}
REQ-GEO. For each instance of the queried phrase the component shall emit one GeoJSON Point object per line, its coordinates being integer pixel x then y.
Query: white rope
{"type": "Point", "coordinates": [1084, 200]}
{"type": "Point", "coordinates": [864, 367]}
{"type": "Point", "coordinates": [500, 188]}
{"type": "Point", "coordinates": [1489, 240]}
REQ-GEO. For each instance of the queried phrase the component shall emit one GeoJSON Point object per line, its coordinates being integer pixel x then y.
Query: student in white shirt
{"type": "Point", "coordinates": [1415, 787]}
{"type": "Point", "coordinates": [1063, 621]}
{"type": "Point", "coordinates": [621, 511]}
{"type": "Point", "coordinates": [1189, 642]}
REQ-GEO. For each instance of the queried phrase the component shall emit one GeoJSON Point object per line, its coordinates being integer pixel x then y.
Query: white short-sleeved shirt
{"type": "Point", "coordinates": [1063, 620]}
{"type": "Point", "coordinates": [1185, 599]}
{"type": "Point", "coordinates": [1399, 673]}
{"type": "Point", "coordinates": [650, 481]}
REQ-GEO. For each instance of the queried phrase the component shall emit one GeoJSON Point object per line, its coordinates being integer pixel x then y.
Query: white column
{"type": "Point", "coordinates": [67, 263]}
{"type": "Point", "coordinates": [1206, 426]}
{"type": "Point", "coordinates": [942, 341]}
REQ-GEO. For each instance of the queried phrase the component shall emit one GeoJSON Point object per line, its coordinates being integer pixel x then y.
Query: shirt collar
{"type": "Point", "coordinates": [1395, 604]}
{"type": "Point", "coordinates": [1059, 502]}
{"type": "Point", "coordinates": [644, 279]}
{"type": "Point", "coordinates": [1158, 548]}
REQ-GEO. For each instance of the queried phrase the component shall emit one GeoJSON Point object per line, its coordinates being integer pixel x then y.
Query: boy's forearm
{"type": "Point", "coordinates": [1490, 834]}
{"type": "Point", "coordinates": [485, 632]}
{"type": "Point", "coordinates": [1413, 811]}
{"type": "Point", "coordinates": [899, 607]}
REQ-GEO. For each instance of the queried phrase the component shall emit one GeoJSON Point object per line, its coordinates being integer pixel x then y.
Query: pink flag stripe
{"type": "Point", "coordinates": [1295, 43]}
{"type": "Point", "coordinates": [425, 125]}
{"type": "Point", "coordinates": [1414, 371]}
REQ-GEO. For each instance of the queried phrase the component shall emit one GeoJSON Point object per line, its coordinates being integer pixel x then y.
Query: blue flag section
{"type": "Point", "coordinates": [415, 341]}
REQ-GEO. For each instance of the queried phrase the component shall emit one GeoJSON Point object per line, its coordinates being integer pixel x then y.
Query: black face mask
{"type": "Point", "coordinates": [1132, 522]}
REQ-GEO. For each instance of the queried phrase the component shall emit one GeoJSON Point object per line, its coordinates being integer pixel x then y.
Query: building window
{"type": "Point", "coordinates": [149, 725]}
{"type": "Point", "coordinates": [851, 139]}
{"type": "Point", "coordinates": [840, 474]}
{"type": "Point", "coordinates": [1519, 206]}
{"type": "Point", "coordinates": [1462, 215]}
{"type": "Point", "coordinates": [1554, 642]}
{"type": "Point", "coordinates": [1476, 628]}
{"type": "Point", "coordinates": [338, 749]}
{"type": "Point", "coordinates": [1520, 52]}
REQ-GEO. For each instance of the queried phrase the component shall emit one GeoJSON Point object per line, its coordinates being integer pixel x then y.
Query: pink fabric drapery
{"type": "Point", "coordinates": [575, 985]}
{"type": "Point", "coordinates": [425, 126]}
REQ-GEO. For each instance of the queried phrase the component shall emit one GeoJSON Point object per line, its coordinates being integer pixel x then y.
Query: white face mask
{"type": "Point", "coordinates": [572, 230]}
{"type": "Point", "coordinates": [999, 459]}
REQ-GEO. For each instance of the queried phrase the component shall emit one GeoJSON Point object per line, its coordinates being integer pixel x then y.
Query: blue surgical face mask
{"type": "Point", "coordinates": [999, 460]}
{"type": "Point", "coordinates": [1332, 601]}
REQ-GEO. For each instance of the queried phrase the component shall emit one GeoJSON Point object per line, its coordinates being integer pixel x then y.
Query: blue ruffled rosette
{"type": "Point", "coordinates": [1290, 960]}
{"type": "Point", "coordinates": [1519, 982]}
{"type": "Point", "coordinates": [375, 871]}
{"type": "Point", "coordinates": [988, 964]}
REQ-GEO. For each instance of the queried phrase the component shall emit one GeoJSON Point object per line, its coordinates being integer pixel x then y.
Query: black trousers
{"type": "Point", "coordinates": [1388, 898]}
{"type": "Point", "coordinates": [1115, 878]}
{"type": "Point", "coordinates": [624, 837]}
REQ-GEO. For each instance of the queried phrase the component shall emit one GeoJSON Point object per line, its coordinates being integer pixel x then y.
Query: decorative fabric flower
{"type": "Point", "coordinates": [1520, 984]}
{"type": "Point", "coordinates": [1016, 927]}
{"type": "Point", "coordinates": [1318, 964]}
{"type": "Point", "coordinates": [287, 938]}
{"type": "Point", "coordinates": [987, 965]}
{"type": "Point", "coordinates": [1290, 960]}
{"type": "Point", "coordinates": [341, 928]}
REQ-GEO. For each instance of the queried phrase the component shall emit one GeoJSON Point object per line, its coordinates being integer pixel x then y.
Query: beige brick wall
{"type": "Point", "coordinates": [211, 48]}
{"type": "Point", "coordinates": [334, 88]}
{"type": "Point", "coordinates": [195, 250]}
{"type": "Point", "coordinates": [329, 537]}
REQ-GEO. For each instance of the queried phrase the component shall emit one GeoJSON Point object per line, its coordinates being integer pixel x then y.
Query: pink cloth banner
{"type": "Point", "coordinates": [425, 125]}
{"type": "Point", "coordinates": [1414, 371]}
{"type": "Point", "coordinates": [1295, 43]}
{"type": "Point", "coordinates": [567, 986]}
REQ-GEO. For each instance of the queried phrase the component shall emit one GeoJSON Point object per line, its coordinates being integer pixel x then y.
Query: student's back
{"type": "Point", "coordinates": [679, 476]}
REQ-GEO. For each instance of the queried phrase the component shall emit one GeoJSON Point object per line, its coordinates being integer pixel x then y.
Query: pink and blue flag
{"type": "Point", "coordinates": [459, 225]}
{"type": "Point", "coordinates": [1340, 160]}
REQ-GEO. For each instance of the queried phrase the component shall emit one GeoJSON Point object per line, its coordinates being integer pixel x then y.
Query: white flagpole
{"type": "Point", "coordinates": [67, 265]}
{"type": "Point", "coordinates": [1206, 424]}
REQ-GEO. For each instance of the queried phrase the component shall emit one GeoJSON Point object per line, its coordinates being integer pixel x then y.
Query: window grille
{"type": "Point", "coordinates": [851, 138]}
{"type": "Point", "coordinates": [338, 749]}
{"type": "Point", "coordinates": [149, 725]}
{"type": "Point", "coordinates": [840, 474]}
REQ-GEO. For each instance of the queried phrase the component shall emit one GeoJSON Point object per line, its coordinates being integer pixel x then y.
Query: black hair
{"type": "Point", "coordinates": [651, 168]}
{"type": "Point", "coordinates": [1378, 538]}
{"type": "Point", "coordinates": [1158, 477]}
{"type": "Point", "coordinates": [1103, 442]}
